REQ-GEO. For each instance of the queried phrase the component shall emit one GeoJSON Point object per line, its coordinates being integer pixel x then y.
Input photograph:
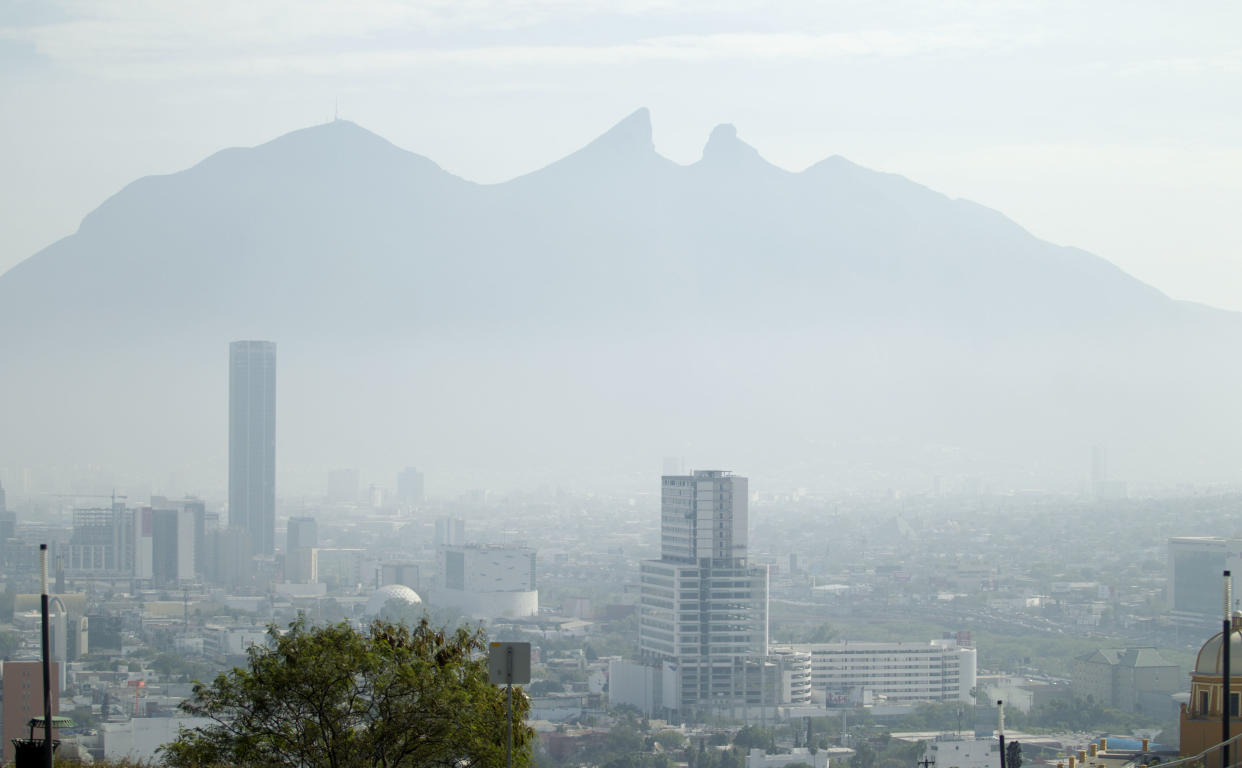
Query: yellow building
{"type": "Point", "coordinates": [1201, 717]}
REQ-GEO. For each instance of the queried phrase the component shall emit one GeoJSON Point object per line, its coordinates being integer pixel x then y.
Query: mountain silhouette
{"type": "Point", "coordinates": [833, 328]}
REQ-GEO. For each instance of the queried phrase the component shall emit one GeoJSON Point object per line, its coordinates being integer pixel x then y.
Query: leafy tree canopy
{"type": "Point", "coordinates": [9, 643]}
{"type": "Point", "coordinates": [334, 697]}
{"type": "Point", "coordinates": [755, 737]}
{"type": "Point", "coordinates": [671, 739]}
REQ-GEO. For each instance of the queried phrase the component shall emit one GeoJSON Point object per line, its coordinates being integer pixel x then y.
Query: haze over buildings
{"type": "Point", "coordinates": [837, 300]}
{"type": "Point", "coordinates": [981, 462]}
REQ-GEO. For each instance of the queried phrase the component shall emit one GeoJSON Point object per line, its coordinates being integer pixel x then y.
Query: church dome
{"type": "Point", "coordinates": [403, 595]}
{"type": "Point", "coordinates": [1210, 660]}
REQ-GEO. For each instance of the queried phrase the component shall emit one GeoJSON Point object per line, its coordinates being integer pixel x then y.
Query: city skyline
{"type": "Point", "coordinates": [777, 386]}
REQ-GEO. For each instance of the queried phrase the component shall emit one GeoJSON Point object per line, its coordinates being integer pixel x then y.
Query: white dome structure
{"type": "Point", "coordinates": [404, 596]}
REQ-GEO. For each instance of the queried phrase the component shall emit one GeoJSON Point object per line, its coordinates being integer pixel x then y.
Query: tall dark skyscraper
{"type": "Point", "coordinates": [252, 442]}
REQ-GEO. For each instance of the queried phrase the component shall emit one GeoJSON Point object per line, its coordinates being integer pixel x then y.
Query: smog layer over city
{"type": "Point", "coordinates": [586, 384]}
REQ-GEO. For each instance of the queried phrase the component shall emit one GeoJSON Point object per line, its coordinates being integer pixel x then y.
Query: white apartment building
{"type": "Point", "coordinates": [488, 582]}
{"type": "Point", "coordinates": [903, 673]}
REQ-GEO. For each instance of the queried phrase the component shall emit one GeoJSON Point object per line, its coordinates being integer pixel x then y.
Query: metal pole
{"type": "Point", "coordinates": [509, 708]}
{"type": "Point", "coordinates": [1000, 729]}
{"type": "Point", "coordinates": [1227, 695]}
{"type": "Point", "coordinates": [47, 667]}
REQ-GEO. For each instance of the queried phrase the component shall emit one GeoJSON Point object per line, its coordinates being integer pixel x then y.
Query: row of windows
{"type": "Point", "coordinates": [888, 654]}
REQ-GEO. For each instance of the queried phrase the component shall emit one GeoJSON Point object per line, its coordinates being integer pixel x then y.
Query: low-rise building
{"type": "Point", "coordinates": [904, 672]}
{"type": "Point", "coordinates": [798, 755]}
{"type": "Point", "coordinates": [1128, 679]}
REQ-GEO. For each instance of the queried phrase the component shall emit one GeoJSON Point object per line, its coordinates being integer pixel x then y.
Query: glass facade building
{"type": "Point", "coordinates": [252, 442]}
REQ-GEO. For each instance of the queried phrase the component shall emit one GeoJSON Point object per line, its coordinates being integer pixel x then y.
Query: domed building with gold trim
{"type": "Point", "coordinates": [1201, 721]}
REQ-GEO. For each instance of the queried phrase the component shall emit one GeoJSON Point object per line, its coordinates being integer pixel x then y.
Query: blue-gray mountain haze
{"type": "Point", "coordinates": [836, 327]}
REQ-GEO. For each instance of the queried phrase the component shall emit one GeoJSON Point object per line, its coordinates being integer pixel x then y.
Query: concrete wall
{"type": "Point", "coordinates": [633, 684]}
{"type": "Point", "coordinates": [139, 738]}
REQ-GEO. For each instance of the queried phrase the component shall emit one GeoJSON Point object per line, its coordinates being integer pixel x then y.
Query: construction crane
{"type": "Point", "coordinates": [114, 496]}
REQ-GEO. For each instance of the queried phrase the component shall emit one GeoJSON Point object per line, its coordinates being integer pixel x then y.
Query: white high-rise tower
{"type": "Point", "coordinates": [703, 611]}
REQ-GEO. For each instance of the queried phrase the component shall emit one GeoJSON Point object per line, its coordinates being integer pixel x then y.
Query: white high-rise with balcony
{"type": "Point", "coordinates": [703, 610]}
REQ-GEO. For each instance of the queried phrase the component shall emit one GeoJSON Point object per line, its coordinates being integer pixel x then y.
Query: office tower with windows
{"type": "Point", "coordinates": [703, 611]}
{"type": "Point", "coordinates": [103, 542]}
{"type": "Point", "coordinates": [172, 546]}
{"type": "Point", "coordinates": [410, 486]}
{"type": "Point", "coordinates": [301, 533]}
{"type": "Point", "coordinates": [252, 442]}
{"type": "Point", "coordinates": [202, 523]}
{"type": "Point", "coordinates": [301, 539]}
{"type": "Point", "coordinates": [449, 532]}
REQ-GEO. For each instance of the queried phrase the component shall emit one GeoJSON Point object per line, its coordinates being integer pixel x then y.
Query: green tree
{"type": "Point", "coordinates": [864, 755]}
{"type": "Point", "coordinates": [824, 633]}
{"type": "Point", "coordinates": [9, 643]}
{"type": "Point", "coordinates": [754, 737]}
{"type": "Point", "coordinates": [170, 665]}
{"type": "Point", "coordinates": [1013, 755]}
{"type": "Point", "coordinates": [333, 697]}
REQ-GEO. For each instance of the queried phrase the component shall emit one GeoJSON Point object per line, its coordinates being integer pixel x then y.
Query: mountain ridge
{"type": "Point", "coordinates": [652, 300]}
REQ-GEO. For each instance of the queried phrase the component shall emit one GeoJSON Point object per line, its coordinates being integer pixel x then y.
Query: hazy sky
{"type": "Point", "coordinates": [1113, 126]}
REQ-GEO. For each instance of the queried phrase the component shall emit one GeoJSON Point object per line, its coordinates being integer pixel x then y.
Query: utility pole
{"type": "Point", "coordinates": [47, 667]}
{"type": "Point", "coordinates": [1226, 701]}
{"type": "Point", "coordinates": [1000, 729]}
{"type": "Point", "coordinates": [509, 707]}
{"type": "Point", "coordinates": [508, 663]}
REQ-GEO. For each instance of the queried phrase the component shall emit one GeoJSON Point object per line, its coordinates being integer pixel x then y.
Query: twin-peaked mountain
{"type": "Point", "coordinates": [833, 327]}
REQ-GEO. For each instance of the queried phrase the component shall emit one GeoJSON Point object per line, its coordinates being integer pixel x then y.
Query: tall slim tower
{"type": "Point", "coordinates": [8, 529]}
{"type": "Point", "coordinates": [252, 442]}
{"type": "Point", "coordinates": [703, 611]}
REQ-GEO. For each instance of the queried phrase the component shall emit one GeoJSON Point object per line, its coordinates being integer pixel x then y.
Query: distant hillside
{"type": "Point", "coordinates": [834, 328]}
